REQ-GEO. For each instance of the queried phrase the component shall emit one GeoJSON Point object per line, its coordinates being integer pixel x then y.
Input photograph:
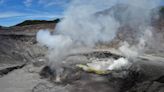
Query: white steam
{"type": "Point", "coordinates": [88, 22]}
{"type": "Point", "coordinates": [54, 41]}
{"type": "Point", "coordinates": [132, 52]}
{"type": "Point", "coordinates": [121, 63]}
{"type": "Point", "coordinates": [86, 29]}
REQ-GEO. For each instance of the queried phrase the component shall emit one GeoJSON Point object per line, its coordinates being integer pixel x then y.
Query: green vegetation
{"type": "Point", "coordinates": [162, 11]}
{"type": "Point", "coordinates": [33, 22]}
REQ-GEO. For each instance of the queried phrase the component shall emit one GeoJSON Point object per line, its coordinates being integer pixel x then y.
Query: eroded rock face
{"type": "Point", "coordinates": [145, 75]}
{"type": "Point", "coordinates": [19, 51]}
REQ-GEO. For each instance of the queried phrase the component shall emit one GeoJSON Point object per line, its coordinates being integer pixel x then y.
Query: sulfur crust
{"type": "Point", "coordinates": [91, 69]}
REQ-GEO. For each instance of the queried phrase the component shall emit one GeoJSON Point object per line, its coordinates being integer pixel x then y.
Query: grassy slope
{"type": "Point", "coordinates": [33, 22]}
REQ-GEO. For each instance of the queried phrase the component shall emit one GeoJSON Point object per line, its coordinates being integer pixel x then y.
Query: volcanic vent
{"type": "Point", "coordinates": [88, 24]}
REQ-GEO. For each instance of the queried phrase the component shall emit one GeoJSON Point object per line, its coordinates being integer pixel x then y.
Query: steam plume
{"type": "Point", "coordinates": [88, 22]}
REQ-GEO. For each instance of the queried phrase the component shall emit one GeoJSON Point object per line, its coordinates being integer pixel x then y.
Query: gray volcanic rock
{"type": "Point", "coordinates": [17, 50]}
{"type": "Point", "coordinates": [23, 68]}
{"type": "Point", "coordinates": [145, 75]}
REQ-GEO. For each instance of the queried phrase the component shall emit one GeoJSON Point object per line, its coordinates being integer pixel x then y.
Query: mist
{"type": "Point", "coordinates": [90, 22]}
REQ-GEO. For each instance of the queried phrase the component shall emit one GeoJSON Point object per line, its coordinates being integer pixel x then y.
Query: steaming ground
{"type": "Point", "coordinates": [99, 23]}
{"type": "Point", "coordinates": [28, 78]}
{"type": "Point", "coordinates": [48, 63]}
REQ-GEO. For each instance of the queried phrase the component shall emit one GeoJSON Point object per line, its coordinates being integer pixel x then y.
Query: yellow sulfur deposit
{"type": "Point", "coordinates": [92, 69]}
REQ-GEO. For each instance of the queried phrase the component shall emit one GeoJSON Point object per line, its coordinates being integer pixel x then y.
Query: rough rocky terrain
{"type": "Point", "coordinates": [23, 67]}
